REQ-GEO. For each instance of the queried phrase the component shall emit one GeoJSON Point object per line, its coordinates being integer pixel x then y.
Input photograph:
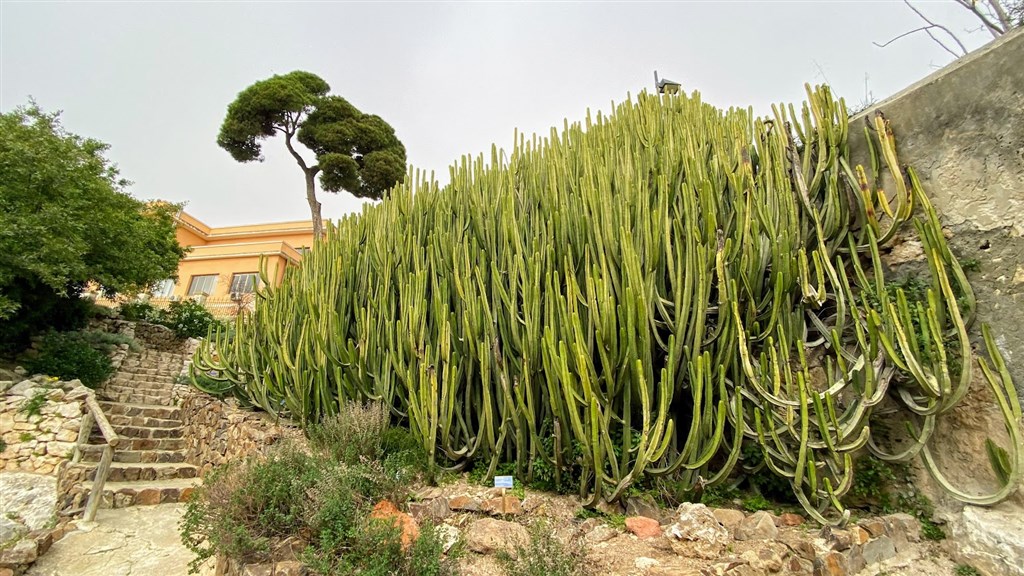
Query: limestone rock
{"type": "Point", "coordinates": [448, 535]}
{"type": "Point", "coordinates": [878, 550]}
{"type": "Point", "coordinates": [763, 559]}
{"type": "Point", "coordinates": [464, 504]}
{"type": "Point", "coordinates": [488, 534]}
{"type": "Point", "coordinates": [728, 517]}
{"type": "Point", "coordinates": [831, 564]}
{"type": "Point", "coordinates": [288, 568]}
{"type": "Point", "coordinates": [601, 533]}
{"type": "Point", "coordinates": [697, 533]}
{"type": "Point", "coordinates": [991, 539]}
{"type": "Point", "coordinates": [25, 551]}
{"type": "Point", "coordinates": [874, 526]}
{"type": "Point", "coordinates": [643, 526]}
{"type": "Point", "coordinates": [10, 530]}
{"type": "Point", "coordinates": [643, 506]}
{"type": "Point", "coordinates": [758, 526]}
{"type": "Point", "coordinates": [644, 563]}
{"type": "Point", "coordinates": [502, 505]}
{"type": "Point", "coordinates": [436, 509]}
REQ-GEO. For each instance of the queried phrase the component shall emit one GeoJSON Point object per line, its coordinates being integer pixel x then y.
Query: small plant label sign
{"type": "Point", "coordinates": [503, 482]}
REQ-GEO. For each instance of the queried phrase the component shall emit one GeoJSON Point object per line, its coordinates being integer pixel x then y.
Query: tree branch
{"type": "Point", "coordinates": [992, 27]}
{"type": "Point", "coordinates": [928, 30]}
{"type": "Point", "coordinates": [298, 158]}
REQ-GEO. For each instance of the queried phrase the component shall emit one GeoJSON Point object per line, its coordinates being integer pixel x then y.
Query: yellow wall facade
{"type": "Point", "coordinates": [226, 251]}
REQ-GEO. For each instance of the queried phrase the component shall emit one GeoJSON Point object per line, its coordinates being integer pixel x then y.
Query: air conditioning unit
{"type": "Point", "coordinates": [236, 296]}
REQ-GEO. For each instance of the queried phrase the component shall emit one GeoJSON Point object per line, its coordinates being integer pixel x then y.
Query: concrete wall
{"type": "Point", "coordinates": [962, 129]}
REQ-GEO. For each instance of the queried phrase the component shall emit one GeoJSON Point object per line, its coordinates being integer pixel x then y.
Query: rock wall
{"type": "Point", "coordinates": [39, 420]}
{"type": "Point", "coordinates": [219, 431]}
{"type": "Point", "coordinates": [152, 336]}
{"type": "Point", "coordinates": [961, 130]}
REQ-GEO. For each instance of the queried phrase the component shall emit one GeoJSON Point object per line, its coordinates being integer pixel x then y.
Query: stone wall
{"type": "Point", "coordinates": [39, 438]}
{"type": "Point", "coordinates": [961, 130]}
{"type": "Point", "coordinates": [152, 336]}
{"type": "Point", "coordinates": [219, 431]}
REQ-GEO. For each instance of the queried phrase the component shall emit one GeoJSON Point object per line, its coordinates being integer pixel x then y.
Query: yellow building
{"type": "Point", "coordinates": [222, 265]}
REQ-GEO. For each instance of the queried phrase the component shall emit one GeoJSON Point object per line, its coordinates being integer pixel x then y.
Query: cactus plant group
{"type": "Point", "coordinates": [638, 295]}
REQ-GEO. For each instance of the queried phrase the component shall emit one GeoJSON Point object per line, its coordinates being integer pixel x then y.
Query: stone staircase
{"type": "Point", "coordinates": [149, 463]}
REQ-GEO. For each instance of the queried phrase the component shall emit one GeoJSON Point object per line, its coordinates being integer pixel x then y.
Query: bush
{"type": "Point", "coordinates": [69, 355]}
{"type": "Point", "coordinates": [137, 310]}
{"type": "Point", "coordinates": [108, 341]}
{"type": "Point", "coordinates": [354, 433]}
{"type": "Point", "coordinates": [189, 319]}
{"type": "Point", "coordinates": [243, 508]}
{"type": "Point", "coordinates": [544, 555]}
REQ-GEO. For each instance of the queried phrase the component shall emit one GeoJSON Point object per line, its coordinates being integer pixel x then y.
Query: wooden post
{"type": "Point", "coordinates": [96, 494]}
{"type": "Point", "coordinates": [83, 436]}
{"type": "Point", "coordinates": [503, 509]}
{"type": "Point", "coordinates": [105, 427]}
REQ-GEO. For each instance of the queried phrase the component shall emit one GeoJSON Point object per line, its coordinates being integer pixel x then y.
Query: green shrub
{"type": "Point", "coordinates": [544, 555]}
{"type": "Point", "coordinates": [966, 570]}
{"type": "Point", "coordinates": [756, 502]}
{"type": "Point", "coordinates": [878, 486]}
{"type": "Point", "coordinates": [356, 432]}
{"type": "Point", "coordinates": [108, 341]}
{"type": "Point", "coordinates": [189, 319]}
{"type": "Point", "coordinates": [69, 355]}
{"type": "Point", "coordinates": [137, 310]}
{"type": "Point", "coordinates": [243, 505]}
{"type": "Point", "coordinates": [242, 508]}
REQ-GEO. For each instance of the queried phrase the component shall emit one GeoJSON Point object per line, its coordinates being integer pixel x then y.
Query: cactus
{"type": "Point", "coordinates": [638, 295]}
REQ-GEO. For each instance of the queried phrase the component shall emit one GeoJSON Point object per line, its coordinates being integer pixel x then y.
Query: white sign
{"type": "Point", "coordinates": [503, 482]}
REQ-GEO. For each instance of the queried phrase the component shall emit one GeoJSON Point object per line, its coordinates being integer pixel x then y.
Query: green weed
{"type": "Point", "coordinates": [543, 555]}
{"type": "Point", "coordinates": [34, 405]}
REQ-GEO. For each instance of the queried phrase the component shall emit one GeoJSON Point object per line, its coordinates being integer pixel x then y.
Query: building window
{"type": "Point", "coordinates": [202, 285]}
{"type": "Point", "coordinates": [163, 288]}
{"type": "Point", "coordinates": [244, 283]}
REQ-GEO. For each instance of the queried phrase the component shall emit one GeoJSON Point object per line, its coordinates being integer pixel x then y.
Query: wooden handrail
{"type": "Point", "coordinates": [95, 416]}
{"type": "Point", "coordinates": [101, 420]}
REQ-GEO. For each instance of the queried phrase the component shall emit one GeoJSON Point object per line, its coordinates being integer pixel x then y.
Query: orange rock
{"type": "Point", "coordinates": [789, 519]}
{"type": "Point", "coordinates": [643, 527]}
{"type": "Point", "coordinates": [148, 497]}
{"type": "Point", "coordinates": [385, 510]}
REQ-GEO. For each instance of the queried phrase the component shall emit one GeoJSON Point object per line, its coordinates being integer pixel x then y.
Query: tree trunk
{"type": "Point", "coordinates": [314, 204]}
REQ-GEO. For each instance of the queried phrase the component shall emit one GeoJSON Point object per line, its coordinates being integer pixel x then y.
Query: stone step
{"type": "Point", "coordinates": [123, 420]}
{"type": "Point", "coordinates": [147, 432]}
{"type": "Point", "coordinates": [165, 444]}
{"type": "Point", "coordinates": [131, 472]}
{"type": "Point", "coordinates": [124, 494]}
{"type": "Point", "coordinates": [137, 456]}
{"type": "Point", "coordinates": [149, 379]}
{"type": "Point", "coordinates": [150, 372]}
{"type": "Point", "coordinates": [112, 388]}
{"type": "Point", "coordinates": [135, 398]}
{"type": "Point", "coordinates": [141, 409]}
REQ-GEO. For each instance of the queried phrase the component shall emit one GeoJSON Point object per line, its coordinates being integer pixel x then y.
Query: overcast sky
{"type": "Point", "coordinates": [153, 79]}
